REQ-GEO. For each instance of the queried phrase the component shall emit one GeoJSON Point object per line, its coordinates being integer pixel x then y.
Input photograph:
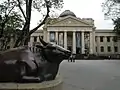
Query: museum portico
{"type": "Point", "coordinates": [72, 40]}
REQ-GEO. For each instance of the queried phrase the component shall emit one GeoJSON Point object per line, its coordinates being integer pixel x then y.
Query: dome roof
{"type": "Point", "coordinates": [67, 13]}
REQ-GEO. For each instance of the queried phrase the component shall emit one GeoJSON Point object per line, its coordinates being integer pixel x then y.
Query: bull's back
{"type": "Point", "coordinates": [9, 63]}
{"type": "Point", "coordinates": [12, 54]}
{"type": "Point", "coordinates": [9, 71]}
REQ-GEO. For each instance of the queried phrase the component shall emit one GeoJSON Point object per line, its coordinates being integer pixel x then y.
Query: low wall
{"type": "Point", "coordinates": [46, 85]}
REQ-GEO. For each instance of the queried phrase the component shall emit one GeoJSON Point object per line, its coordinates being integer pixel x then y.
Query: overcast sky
{"type": "Point", "coordinates": [84, 9]}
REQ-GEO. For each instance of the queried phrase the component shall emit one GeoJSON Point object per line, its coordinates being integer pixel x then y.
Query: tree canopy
{"type": "Point", "coordinates": [111, 9]}
{"type": "Point", "coordinates": [24, 8]}
{"type": "Point", "coordinates": [10, 25]}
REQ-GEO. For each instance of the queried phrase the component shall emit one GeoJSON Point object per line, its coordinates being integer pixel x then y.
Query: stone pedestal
{"type": "Point", "coordinates": [46, 85]}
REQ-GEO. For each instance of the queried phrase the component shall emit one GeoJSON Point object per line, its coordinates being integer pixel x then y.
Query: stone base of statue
{"type": "Point", "coordinates": [46, 85]}
{"type": "Point", "coordinates": [32, 71]}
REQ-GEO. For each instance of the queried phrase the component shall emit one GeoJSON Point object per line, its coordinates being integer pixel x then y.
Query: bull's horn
{"type": "Point", "coordinates": [42, 41]}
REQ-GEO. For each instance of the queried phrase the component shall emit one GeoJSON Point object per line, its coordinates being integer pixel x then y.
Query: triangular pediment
{"type": "Point", "coordinates": [70, 21]}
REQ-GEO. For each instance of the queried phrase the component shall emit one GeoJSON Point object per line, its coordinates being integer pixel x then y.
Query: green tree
{"type": "Point", "coordinates": [25, 8]}
{"type": "Point", "coordinates": [11, 30]}
{"type": "Point", "coordinates": [10, 23]}
{"type": "Point", "coordinates": [111, 9]}
{"type": "Point", "coordinates": [6, 8]}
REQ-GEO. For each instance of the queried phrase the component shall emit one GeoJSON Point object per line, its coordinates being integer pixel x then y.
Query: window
{"type": "Point", "coordinates": [52, 36]}
{"type": "Point", "coordinates": [108, 39]}
{"type": "Point", "coordinates": [102, 49]}
{"type": "Point", "coordinates": [35, 38]}
{"type": "Point", "coordinates": [101, 39]}
{"type": "Point", "coordinates": [61, 39]}
{"type": "Point", "coordinates": [109, 49]}
{"type": "Point", "coordinates": [115, 48]}
{"type": "Point", "coordinates": [115, 38]}
{"type": "Point", "coordinates": [96, 49]}
{"type": "Point", "coordinates": [95, 38]}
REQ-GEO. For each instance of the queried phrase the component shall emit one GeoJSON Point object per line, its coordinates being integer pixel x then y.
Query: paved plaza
{"type": "Point", "coordinates": [91, 75]}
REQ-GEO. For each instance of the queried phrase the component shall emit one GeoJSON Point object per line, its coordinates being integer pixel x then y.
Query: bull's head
{"type": "Point", "coordinates": [52, 52]}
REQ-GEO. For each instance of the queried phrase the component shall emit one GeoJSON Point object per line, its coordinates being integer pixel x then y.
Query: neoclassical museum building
{"type": "Point", "coordinates": [78, 35]}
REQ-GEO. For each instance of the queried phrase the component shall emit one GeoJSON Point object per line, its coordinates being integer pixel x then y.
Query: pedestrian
{"type": "Point", "coordinates": [109, 57]}
{"type": "Point", "coordinates": [70, 58]}
{"type": "Point", "coordinates": [73, 57]}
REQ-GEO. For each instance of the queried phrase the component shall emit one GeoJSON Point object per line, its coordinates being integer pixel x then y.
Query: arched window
{"type": "Point", "coordinates": [102, 49]}
{"type": "Point", "coordinates": [109, 49]}
{"type": "Point", "coordinates": [115, 49]}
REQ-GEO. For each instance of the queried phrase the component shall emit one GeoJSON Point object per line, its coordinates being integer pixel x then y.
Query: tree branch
{"type": "Point", "coordinates": [21, 9]}
{"type": "Point", "coordinates": [43, 22]}
{"type": "Point", "coordinates": [33, 30]}
{"type": "Point", "coordinates": [11, 10]}
{"type": "Point", "coordinates": [28, 14]}
{"type": "Point", "coordinates": [25, 31]}
{"type": "Point", "coordinates": [5, 21]}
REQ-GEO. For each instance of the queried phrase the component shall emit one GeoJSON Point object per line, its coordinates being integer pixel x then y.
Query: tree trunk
{"type": "Point", "coordinates": [22, 40]}
{"type": "Point", "coordinates": [28, 15]}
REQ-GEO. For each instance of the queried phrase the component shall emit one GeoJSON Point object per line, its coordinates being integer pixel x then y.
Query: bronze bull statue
{"type": "Point", "coordinates": [21, 65]}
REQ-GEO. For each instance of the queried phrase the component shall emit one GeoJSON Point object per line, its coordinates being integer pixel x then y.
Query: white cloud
{"type": "Point", "coordinates": [84, 9]}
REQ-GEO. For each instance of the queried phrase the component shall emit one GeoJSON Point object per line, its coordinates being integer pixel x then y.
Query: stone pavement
{"type": "Point", "coordinates": [91, 75]}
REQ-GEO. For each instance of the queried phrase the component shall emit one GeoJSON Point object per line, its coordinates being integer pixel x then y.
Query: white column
{"type": "Point", "coordinates": [74, 42]}
{"type": "Point", "coordinates": [48, 36]}
{"type": "Point", "coordinates": [91, 43]}
{"type": "Point", "coordinates": [56, 34]}
{"type": "Point", "coordinates": [98, 45]}
{"type": "Point", "coordinates": [38, 39]}
{"type": "Point", "coordinates": [45, 34]}
{"type": "Point", "coordinates": [65, 39]}
{"type": "Point", "coordinates": [31, 40]}
{"type": "Point", "coordinates": [83, 46]}
{"type": "Point", "coordinates": [118, 46]}
{"type": "Point", "coordinates": [94, 43]}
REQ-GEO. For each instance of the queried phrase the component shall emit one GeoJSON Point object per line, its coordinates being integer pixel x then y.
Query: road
{"type": "Point", "coordinates": [91, 75]}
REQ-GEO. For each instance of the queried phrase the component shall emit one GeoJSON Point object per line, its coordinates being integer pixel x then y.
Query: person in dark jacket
{"type": "Point", "coordinates": [72, 58]}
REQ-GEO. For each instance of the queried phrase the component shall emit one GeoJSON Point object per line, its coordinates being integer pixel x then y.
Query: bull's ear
{"type": "Point", "coordinates": [39, 46]}
{"type": "Point", "coordinates": [42, 41]}
{"type": "Point", "coordinates": [50, 47]}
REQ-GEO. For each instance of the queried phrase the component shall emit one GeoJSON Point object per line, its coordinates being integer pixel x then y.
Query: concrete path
{"type": "Point", "coordinates": [91, 75]}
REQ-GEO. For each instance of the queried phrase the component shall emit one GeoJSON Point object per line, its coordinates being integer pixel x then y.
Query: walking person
{"type": "Point", "coordinates": [73, 57]}
{"type": "Point", "coordinates": [70, 58]}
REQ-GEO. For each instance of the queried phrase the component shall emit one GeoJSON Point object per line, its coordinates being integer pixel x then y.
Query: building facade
{"type": "Point", "coordinates": [78, 35]}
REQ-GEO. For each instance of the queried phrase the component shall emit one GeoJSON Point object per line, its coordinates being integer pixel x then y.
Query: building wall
{"type": "Point", "coordinates": [35, 35]}
{"type": "Point", "coordinates": [96, 41]}
{"type": "Point", "coordinates": [95, 35]}
{"type": "Point", "coordinates": [105, 43]}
